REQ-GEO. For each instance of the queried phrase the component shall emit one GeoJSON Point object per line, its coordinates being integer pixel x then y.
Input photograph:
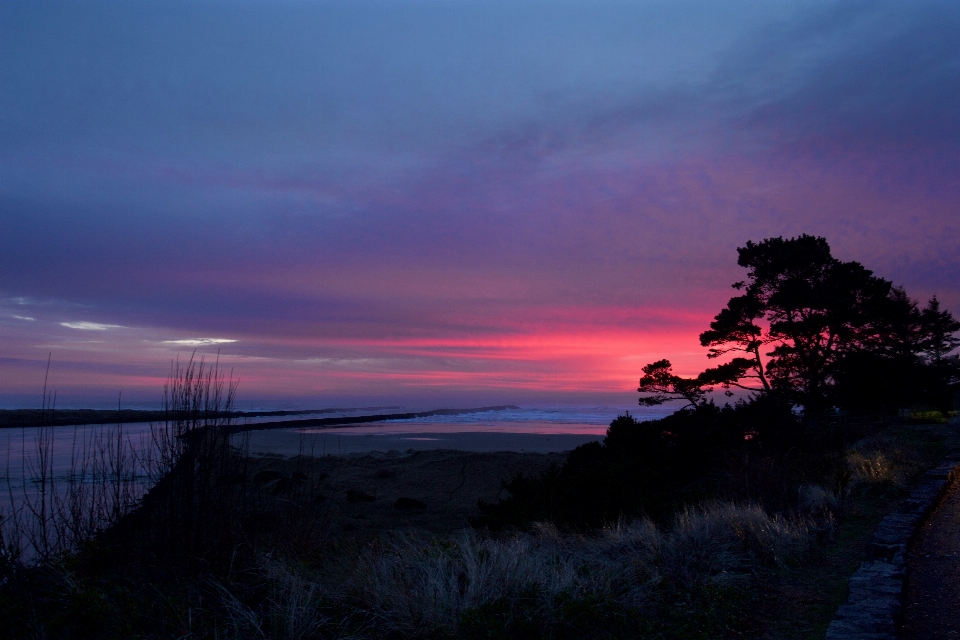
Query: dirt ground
{"type": "Point", "coordinates": [364, 495]}
{"type": "Point", "coordinates": [932, 599]}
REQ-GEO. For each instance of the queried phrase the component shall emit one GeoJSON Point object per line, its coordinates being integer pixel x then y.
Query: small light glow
{"type": "Point", "coordinates": [90, 326]}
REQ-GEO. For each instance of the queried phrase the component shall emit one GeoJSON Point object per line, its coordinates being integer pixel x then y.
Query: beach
{"type": "Point", "coordinates": [361, 440]}
{"type": "Point", "coordinates": [421, 474]}
{"type": "Point", "coordinates": [362, 495]}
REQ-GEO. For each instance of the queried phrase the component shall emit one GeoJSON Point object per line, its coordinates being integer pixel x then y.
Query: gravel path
{"type": "Point", "coordinates": [932, 601]}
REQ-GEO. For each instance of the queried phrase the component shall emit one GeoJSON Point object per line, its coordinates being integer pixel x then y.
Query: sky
{"type": "Point", "coordinates": [446, 202]}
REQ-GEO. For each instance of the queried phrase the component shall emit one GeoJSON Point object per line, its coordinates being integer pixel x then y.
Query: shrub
{"type": "Point", "coordinates": [652, 467]}
{"type": "Point", "coordinates": [549, 584]}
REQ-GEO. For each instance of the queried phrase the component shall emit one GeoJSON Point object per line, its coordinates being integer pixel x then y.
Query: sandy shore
{"type": "Point", "coordinates": [290, 442]}
{"type": "Point", "coordinates": [370, 494]}
{"type": "Point", "coordinates": [373, 479]}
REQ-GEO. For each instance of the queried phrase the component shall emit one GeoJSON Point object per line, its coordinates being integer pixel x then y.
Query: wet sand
{"type": "Point", "coordinates": [343, 442]}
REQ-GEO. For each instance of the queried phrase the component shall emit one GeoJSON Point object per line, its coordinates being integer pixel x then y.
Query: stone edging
{"type": "Point", "coordinates": [876, 589]}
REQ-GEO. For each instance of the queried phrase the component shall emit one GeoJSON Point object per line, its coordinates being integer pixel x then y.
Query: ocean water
{"type": "Point", "coordinates": [533, 428]}
{"type": "Point", "coordinates": [46, 472]}
{"type": "Point", "coordinates": [562, 416]}
{"type": "Point", "coordinates": [542, 429]}
{"type": "Point", "coordinates": [65, 449]}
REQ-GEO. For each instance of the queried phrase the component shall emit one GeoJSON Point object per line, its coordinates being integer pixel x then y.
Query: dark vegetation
{"type": "Point", "coordinates": [709, 523]}
{"type": "Point", "coordinates": [656, 467]}
{"type": "Point", "coordinates": [821, 335]}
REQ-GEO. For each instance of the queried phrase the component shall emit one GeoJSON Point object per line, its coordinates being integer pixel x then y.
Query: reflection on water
{"type": "Point", "coordinates": [68, 449]}
{"type": "Point", "coordinates": [532, 427]}
{"type": "Point", "coordinates": [590, 420]}
{"type": "Point", "coordinates": [536, 429]}
{"type": "Point", "coordinates": [556, 415]}
{"type": "Point", "coordinates": [64, 484]}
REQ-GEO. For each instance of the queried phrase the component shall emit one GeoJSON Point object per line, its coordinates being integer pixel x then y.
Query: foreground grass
{"type": "Point", "coordinates": [719, 570]}
{"type": "Point", "coordinates": [800, 601]}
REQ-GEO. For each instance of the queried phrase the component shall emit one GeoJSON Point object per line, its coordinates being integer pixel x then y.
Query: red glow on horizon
{"type": "Point", "coordinates": [563, 362]}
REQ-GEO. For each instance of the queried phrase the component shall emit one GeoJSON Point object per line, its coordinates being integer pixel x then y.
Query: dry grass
{"type": "Point", "coordinates": [878, 460]}
{"type": "Point", "coordinates": [294, 607]}
{"type": "Point", "coordinates": [413, 584]}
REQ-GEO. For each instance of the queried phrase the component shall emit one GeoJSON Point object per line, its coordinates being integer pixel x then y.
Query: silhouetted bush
{"type": "Point", "coordinates": [655, 467]}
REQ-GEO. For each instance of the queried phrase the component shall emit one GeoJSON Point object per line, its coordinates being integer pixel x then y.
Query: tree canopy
{"type": "Point", "coordinates": [820, 333]}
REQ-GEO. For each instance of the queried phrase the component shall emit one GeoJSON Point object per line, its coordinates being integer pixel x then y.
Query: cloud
{"type": "Point", "coordinates": [90, 326]}
{"type": "Point", "coordinates": [25, 318]}
{"type": "Point", "coordinates": [465, 185]}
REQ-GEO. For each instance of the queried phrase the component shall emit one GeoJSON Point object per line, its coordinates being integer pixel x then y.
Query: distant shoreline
{"type": "Point", "coordinates": [18, 418]}
{"type": "Point", "coordinates": [74, 417]}
{"type": "Point", "coordinates": [320, 443]}
{"type": "Point", "coordinates": [357, 420]}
